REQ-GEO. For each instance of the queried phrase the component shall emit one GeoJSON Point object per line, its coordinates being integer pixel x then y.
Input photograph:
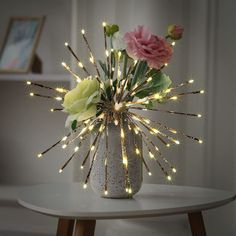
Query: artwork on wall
{"type": "Point", "coordinates": [21, 39]}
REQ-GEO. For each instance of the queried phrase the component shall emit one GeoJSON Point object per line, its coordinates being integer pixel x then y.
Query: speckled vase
{"type": "Point", "coordinates": [115, 169]}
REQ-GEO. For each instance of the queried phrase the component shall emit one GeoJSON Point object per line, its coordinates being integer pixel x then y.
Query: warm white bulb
{"type": "Point", "coordinates": [40, 155]}
{"type": "Point", "coordinates": [82, 31]}
{"type": "Point", "coordinates": [174, 170]}
{"type": "Point", "coordinates": [91, 60]}
{"type": "Point", "coordinates": [91, 127]}
{"type": "Point", "coordinates": [80, 64]}
{"type": "Point", "coordinates": [151, 154]}
{"type": "Point", "coordinates": [202, 91]}
{"type": "Point", "coordinates": [177, 142]}
{"type": "Point", "coordinates": [104, 24]}
{"type": "Point", "coordinates": [66, 44]}
{"type": "Point", "coordinates": [199, 115]}
{"type": "Point", "coordinates": [122, 134]}
{"type": "Point", "coordinates": [149, 173]}
{"type": "Point", "coordinates": [173, 43]}
{"type": "Point", "coordinates": [85, 186]}
{"type": "Point", "coordinates": [28, 82]}
{"type": "Point", "coordinates": [64, 146]}
{"type": "Point", "coordinates": [60, 171]}
{"type": "Point", "coordinates": [155, 130]}
{"type": "Point", "coordinates": [58, 98]}
{"type": "Point", "coordinates": [76, 149]}
{"type": "Point", "coordinates": [147, 121]}
{"type": "Point", "coordinates": [174, 98]}
{"type": "Point", "coordinates": [31, 94]}
{"type": "Point", "coordinates": [125, 161]}
{"type": "Point", "coordinates": [137, 151]}
{"type": "Point", "coordinates": [191, 81]}
{"type": "Point", "coordinates": [81, 167]}
{"type": "Point", "coordinates": [169, 178]}
{"type": "Point", "coordinates": [157, 96]}
{"type": "Point", "coordinates": [200, 141]}
{"type": "Point", "coordinates": [106, 192]}
{"type": "Point", "coordinates": [92, 148]}
{"type": "Point", "coordinates": [64, 138]}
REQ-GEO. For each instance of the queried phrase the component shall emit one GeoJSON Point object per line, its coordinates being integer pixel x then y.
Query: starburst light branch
{"type": "Point", "coordinates": [122, 86]}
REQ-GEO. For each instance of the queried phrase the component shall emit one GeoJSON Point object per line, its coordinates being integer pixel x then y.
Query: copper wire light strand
{"type": "Point", "coordinates": [93, 158]}
{"type": "Point", "coordinates": [77, 59]}
{"type": "Point", "coordinates": [156, 149]}
{"type": "Point", "coordinates": [165, 111]}
{"type": "Point", "coordinates": [91, 54]}
{"type": "Point", "coordinates": [106, 49]}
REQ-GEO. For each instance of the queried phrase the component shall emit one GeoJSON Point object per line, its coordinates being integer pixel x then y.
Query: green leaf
{"type": "Point", "coordinates": [125, 65]}
{"type": "Point", "coordinates": [104, 67]}
{"type": "Point", "coordinates": [140, 72]}
{"type": "Point", "coordinates": [74, 124]}
{"type": "Point", "coordinates": [111, 29]}
{"type": "Point", "coordinates": [159, 83]}
{"type": "Point", "coordinates": [149, 105]}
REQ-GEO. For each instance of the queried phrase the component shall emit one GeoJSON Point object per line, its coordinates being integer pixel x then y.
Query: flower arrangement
{"type": "Point", "coordinates": [130, 79]}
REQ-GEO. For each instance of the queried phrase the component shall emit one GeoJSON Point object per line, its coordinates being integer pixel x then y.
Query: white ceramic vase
{"type": "Point", "coordinates": [116, 187]}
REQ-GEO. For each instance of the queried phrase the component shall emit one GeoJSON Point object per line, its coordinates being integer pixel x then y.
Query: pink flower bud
{"type": "Point", "coordinates": [175, 32]}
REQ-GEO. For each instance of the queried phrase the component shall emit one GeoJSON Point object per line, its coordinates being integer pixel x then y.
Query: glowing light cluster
{"type": "Point", "coordinates": [121, 107]}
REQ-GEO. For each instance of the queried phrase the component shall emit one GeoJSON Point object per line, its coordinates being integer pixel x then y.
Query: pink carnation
{"type": "Point", "coordinates": [143, 45]}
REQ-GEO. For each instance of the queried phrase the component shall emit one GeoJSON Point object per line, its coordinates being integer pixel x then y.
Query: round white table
{"type": "Point", "coordinates": [78, 209]}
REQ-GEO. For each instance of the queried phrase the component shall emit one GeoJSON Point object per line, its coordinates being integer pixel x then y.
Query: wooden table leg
{"type": "Point", "coordinates": [85, 227]}
{"type": "Point", "coordinates": [197, 224]}
{"type": "Point", "coordinates": [65, 227]}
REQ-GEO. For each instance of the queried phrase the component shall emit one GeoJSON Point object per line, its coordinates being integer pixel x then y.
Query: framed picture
{"type": "Point", "coordinates": [18, 51]}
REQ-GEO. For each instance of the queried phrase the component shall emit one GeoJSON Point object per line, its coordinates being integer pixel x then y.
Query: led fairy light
{"type": "Point", "coordinates": [191, 81]}
{"type": "Point", "coordinates": [59, 90]}
{"type": "Point", "coordinates": [93, 159]}
{"type": "Point", "coordinates": [55, 144]}
{"type": "Point", "coordinates": [175, 97]}
{"type": "Point", "coordinates": [92, 58]}
{"type": "Point", "coordinates": [106, 159]}
{"type": "Point", "coordinates": [156, 131]}
{"type": "Point", "coordinates": [174, 131]}
{"type": "Point", "coordinates": [78, 79]}
{"type": "Point", "coordinates": [158, 162]}
{"type": "Point", "coordinates": [125, 157]}
{"type": "Point", "coordinates": [58, 98]}
{"type": "Point", "coordinates": [147, 140]}
{"type": "Point", "coordinates": [104, 24]}
{"type": "Point", "coordinates": [55, 109]}
{"type": "Point", "coordinates": [166, 111]}
{"type": "Point", "coordinates": [80, 64]}
{"type": "Point", "coordinates": [92, 147]}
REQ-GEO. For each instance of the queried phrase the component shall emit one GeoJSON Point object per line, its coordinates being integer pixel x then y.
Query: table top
{"type": "Point", "coordinates": [70, 200]}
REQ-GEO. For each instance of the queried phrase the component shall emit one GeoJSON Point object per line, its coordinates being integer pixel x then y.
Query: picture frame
{"type": "Point", "coordinates": [18, 53]}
